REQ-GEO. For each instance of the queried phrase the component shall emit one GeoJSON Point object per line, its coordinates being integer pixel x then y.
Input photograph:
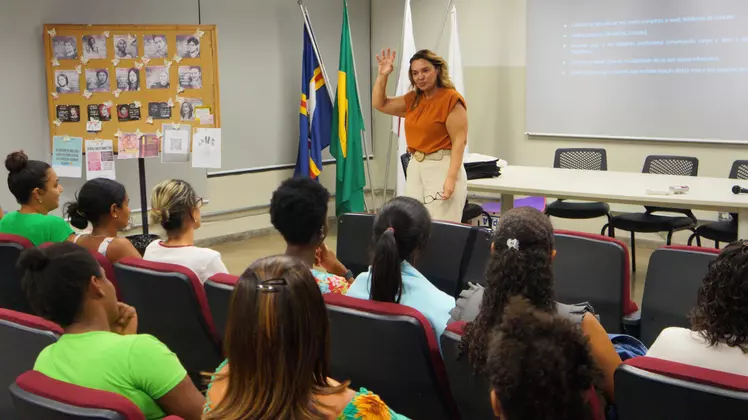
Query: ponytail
{"type": "Point", "coordinates": [386, 278]}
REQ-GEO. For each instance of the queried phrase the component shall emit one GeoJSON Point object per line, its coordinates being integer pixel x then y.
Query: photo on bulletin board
{"type": "Point", "coordinates": [67, 81]}
{"type": "Point", "coordinates": [157, 77]}
{"type": "Point", "coordinates": [191, 77]}
{"type": "Point", "coordinates": [94, 47]}
{"type": "Point", "coordinates": [155, 46]}
{"type": "Point", "coordinates": [125, 46]}
{"type": "Point", "coordinates": [115, 92]}
{"type": "Point", "coordinates": [128, 79]}
{"type": "Point", "coordinates": [187, 109]}
{"type": "Point", "coordinates": [65, 47]}
{"type": "Point", "coordinates": [188, 46]}
{"type": "Point", "coordinates": [69, 113]}
{"type": "Point", "coordinates": [159, 110]}
{"type": "Point", "coordinates": [97, 80]}
{"type": "Point", "coordinates": [100, 112]}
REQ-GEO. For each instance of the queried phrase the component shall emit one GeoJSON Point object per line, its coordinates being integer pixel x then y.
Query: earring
{"type": "Point", "coordinates": [116, 217]}
{"type": "Point", "coordinates": [41, 201]}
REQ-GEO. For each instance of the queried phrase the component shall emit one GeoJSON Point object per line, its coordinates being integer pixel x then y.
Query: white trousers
{"type": "Point", "coordinates": [426, 179]}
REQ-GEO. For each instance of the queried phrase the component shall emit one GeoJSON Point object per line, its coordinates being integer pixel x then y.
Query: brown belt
{"type": "Point", "coordinates": [438, 155]}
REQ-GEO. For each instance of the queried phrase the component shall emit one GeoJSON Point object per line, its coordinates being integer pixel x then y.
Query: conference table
{"type": "Point", "coordinates": [712, 194]}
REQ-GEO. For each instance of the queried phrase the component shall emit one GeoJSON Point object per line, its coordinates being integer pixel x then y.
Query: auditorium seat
{"type": "Point", "coordinates": [354, 239]}
{"type": "Point", "coordinates": [470, 390]}
{"type": "Point", "coordinates": [172, 306]}
{"type": "Point", "coordinates": [391, 350]}
{"type": "Point", "coordinates": [674, 276]}
{"type": "Point", "coordinates": [39, 397]}
{"type": "Point", "coordinates": [22, 337]}
{"type": "Point", "coordinates": [218, 290]}
{"type": "Point", "coordinates": [478, 253]}
{"type": "Point", "coordinates": [595, 269]}
{"type": "Point", "coordinates": [11, 294]}
{"type": "Point", "coordinates": [442, 260]}
{"type": "Point", "coordinates": [649, 388]}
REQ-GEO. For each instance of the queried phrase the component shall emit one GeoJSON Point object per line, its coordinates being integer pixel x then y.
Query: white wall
{"type": "Point", "coordinates": [492, 33]}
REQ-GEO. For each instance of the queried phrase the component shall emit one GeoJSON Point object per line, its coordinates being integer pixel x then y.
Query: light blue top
{"type": "Point", "coordinates": [418, 293]}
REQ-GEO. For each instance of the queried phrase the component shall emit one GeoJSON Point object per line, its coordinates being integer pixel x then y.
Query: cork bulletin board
{"type": "Point", "coordinates": [131, 78]}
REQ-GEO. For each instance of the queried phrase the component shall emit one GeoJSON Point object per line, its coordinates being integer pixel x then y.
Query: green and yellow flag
{"type": "Point", "coordinates": [347, 128]}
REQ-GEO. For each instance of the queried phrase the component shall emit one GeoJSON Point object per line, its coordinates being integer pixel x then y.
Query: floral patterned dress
{"type": "Point", "coordinates": [330, 283]}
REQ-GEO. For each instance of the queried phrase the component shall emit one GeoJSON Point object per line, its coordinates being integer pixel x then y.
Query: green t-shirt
{"type": "Point", "coordinates": [37, 228]}
{"type": "Point", "coordinates": [137, 366]}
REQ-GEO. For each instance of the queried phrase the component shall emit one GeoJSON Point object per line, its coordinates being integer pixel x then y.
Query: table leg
{"type": "Point", "coordinates": [743, 223]}
{"type": "Point", "coordinates": [507, 203]}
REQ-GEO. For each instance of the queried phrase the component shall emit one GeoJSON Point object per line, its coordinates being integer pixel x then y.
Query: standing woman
{"type": "Point", "coordinates": [436, 128]}
{"type": "Point", "coordinates": [35, 186]}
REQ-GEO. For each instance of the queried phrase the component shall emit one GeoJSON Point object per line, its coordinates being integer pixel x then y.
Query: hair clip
{"type": "Point", "coordinates": [512, 244]}
{"type": "Point", "coordinates": [390, 229]}
{"type": "Point", "coordinates": [272, 285]}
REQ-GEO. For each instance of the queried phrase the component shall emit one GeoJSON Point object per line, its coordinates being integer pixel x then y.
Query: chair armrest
{"type": "Point", "coordinates": [632, 324]}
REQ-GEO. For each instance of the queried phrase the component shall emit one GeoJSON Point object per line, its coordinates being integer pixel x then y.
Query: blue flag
{"type": "Point", "coordinates": [315, 117]}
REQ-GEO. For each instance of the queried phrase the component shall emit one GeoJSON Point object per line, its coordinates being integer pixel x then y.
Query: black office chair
{"type": "Point", "coordinates": [726, 231]}
{"type": "Point", "coordinates": [354, 239]}
{"type": "Point", "coordinates": [648, 222]}
{"type": "Point", "coordinates": [586, 159]}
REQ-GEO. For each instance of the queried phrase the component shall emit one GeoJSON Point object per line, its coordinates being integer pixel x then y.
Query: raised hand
{"type": "Point", "coordinates": [386, 60]}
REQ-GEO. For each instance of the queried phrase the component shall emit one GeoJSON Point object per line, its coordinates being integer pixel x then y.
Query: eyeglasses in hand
{"type": "Point", "coordinates": [431, 198]}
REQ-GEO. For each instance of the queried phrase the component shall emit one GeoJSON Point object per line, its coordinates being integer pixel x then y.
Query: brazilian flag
{"type": "Point", "coordinates": [347, 128]}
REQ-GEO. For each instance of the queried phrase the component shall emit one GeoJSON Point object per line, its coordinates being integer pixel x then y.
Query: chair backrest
{"type": "Point", "coordinates": [218, 290]}
{"type": "Point", "coordinates": [39, 397]}
{"type": "Point", "coordinates": [588, 159]}
{"type": "Point", "coordinates": [674, 276]}
{"type": "Point", "coordinates": [469, 389]}
{"type": "Point", "coordinates": [12, 295]}
{"type": "Point", "coordinates": [739, 169]}
{"type": "Point", "coordinates": [671, 165]}
{"type": "Point", "coordinates": [23, 337]}
{"type": "Point", "coordinates": [390, 349]}
{"type": "Point", "coordinates": [595, 269]}
{"type": "Point", "coordinates": [354, 239]}
{"type": "Point", "coordinates": [650, 388]}
{"type": "Point", "coordinates": [442, 262]}
{"type": "Point", "coordinates": [171, 306]}
{"type": "Point", "coordinates": [478, 256]}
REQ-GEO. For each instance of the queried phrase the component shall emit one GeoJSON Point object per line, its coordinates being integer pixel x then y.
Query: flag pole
{"type": "Point", "coordinates": [363, 132]}
{"type": "Point", "coordinates": [444, 24]}
{"type": "Point", "coordinates": [310, 32]}
{"type": "Point", "coordinates": [389, 150]}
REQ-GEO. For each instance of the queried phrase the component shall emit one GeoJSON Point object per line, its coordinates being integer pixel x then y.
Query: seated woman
{"type": "Point", "coordinates": [35, 185]}
{"type": "Point", "coordinates": [521, 265]}
{"type": "Point", "coordinates": [298, 210]}
{"type": "Point", "coordinates": [401, 231]}
{"type": "Point", "coordinates": [177, 207]}
{"type": "Point", "coordinates": [278, 344]}
{"type": "Point", "coordinates": [100, 348]}
{"type": "Point", "coordinates": [557, 376]}
{"type": "Point", "coordinates": [718, 338]}
{"type": "Point", "coordinates": [106, 205]}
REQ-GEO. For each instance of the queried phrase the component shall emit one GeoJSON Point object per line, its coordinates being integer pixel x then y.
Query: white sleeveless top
{"type": "Point", "coordinates": [688, 347]}
{"type": "Point", "coordinates": [102, 247]}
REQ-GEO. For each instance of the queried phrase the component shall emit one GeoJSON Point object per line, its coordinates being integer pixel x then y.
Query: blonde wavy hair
{"type": "Point", "coordinates": [442, 78]}
{"type": "Point", "coordinates": [172, 202]}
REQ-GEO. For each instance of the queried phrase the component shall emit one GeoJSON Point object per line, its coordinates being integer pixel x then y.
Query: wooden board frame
{"type": "Point", "coordinates": [209, 93]}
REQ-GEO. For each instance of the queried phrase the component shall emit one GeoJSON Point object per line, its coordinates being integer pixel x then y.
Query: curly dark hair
{"type": "Point", "coordinates": [551, 372]}
{"type": "Point", "coordinates": [524, 270]}
{"type": "Point", "coordinates": [722, 302]}
{"type": "Point", "coordinates": [298, 210]}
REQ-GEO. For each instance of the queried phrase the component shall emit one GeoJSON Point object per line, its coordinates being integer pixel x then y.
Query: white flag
{"type": "Point", "coordinates": [454, 62]}
{"type": "Point", "coordinates": [403, 86]}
